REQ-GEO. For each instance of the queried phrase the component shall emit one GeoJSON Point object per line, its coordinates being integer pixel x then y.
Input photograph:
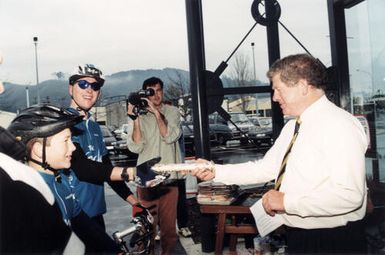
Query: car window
{"type": "Point", "coordinates": [221, 120]}
{"type": "Point", "coordinates": [240, 118]}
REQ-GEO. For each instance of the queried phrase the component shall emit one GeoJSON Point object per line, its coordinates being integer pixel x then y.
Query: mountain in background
{"type": "Point", "coordinates": [56, 91]}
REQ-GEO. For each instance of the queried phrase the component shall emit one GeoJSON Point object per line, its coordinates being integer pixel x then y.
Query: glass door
{"type": "Point", "coordinates": [366, 52]}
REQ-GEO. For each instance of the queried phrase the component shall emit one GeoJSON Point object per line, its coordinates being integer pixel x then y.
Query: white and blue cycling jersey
{"type": "Point", "coordinates": [90, 138]}
{"type": "Point", "coordinates": [64, 193]}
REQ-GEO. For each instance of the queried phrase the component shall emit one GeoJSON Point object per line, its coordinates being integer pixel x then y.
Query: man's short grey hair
{"type": "Point", "coordinates": [300, 66]}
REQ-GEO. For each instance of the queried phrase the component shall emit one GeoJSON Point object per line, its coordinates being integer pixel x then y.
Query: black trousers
{"type": "Point", "coordinates": [349, 239]}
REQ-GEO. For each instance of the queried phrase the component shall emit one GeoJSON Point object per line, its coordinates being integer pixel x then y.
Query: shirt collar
{"type": "Point", "coordinates": [314, 107]}
{"type": "Point", "coordinates": [74, 111]}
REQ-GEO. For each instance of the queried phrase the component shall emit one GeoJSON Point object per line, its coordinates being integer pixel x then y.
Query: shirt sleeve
{"type": "Point", "coordinates": [132, 146]}
{"type": "Point", "coordinates": [173, 125]}
{"type": "Point", "coordinates": [88, 170]}
{"type": "Point", "coordinates": [120, 188]}
{"type": "Point", "coordinates": [257, 171]}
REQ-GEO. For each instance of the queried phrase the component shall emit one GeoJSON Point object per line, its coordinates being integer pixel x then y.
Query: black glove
{"type": "Point", "coordinates": [144, 171]}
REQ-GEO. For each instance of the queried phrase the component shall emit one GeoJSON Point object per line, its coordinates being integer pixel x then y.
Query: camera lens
{"type": "Point", "coordinates": [150, 92]}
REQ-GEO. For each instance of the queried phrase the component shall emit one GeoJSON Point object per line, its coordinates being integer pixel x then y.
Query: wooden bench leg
{"type": "Point", "coordinates": [233, 242]}
{"type": "Point", "coordinates": [233, 237]}
{"type": "Point", "coordinates": [220, 233]}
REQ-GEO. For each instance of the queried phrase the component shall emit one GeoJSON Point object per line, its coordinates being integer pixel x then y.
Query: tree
{"type": "Point", "coordinates": [59, 75]}
{"type": "Point", "coordinates": [179, 93]}
{"type": "Point", "coordinates": [242, 76]}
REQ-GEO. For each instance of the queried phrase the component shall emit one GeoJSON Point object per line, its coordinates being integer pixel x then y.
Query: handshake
{"type": "Point", "coordinates": [150, 173]}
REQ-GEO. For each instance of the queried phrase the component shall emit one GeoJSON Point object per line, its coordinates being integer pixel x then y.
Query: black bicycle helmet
{"type": "Point", "coordinates": [87, 70]}
{"type": "Point", "coordinates": [10, 146]}
{"type": "Point", "coordinates": [41, 121]}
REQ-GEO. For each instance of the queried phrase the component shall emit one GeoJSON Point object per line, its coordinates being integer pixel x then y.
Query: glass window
{"type": "Point", "coordinates": [366, 52]}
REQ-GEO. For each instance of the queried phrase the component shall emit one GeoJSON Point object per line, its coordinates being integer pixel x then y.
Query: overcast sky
{"type": "Point", "coordinates": [122, 35]}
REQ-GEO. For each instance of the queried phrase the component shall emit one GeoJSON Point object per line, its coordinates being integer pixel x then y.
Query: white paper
{"type": "Point", "coordinates": [265, 223]}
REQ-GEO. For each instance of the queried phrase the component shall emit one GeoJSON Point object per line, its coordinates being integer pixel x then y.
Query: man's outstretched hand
{"type": "Point", "coordinates": [203, 173]}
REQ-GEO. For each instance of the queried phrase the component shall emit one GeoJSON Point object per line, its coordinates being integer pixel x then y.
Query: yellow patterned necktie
{"type": "Point", "coordinates": [286, 157]}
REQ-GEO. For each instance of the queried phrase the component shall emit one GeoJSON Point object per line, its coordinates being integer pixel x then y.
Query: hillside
{"type": "Point", "coordinates": [56, 91]}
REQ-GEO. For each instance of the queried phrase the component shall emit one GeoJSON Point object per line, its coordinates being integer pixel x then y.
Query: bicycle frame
{"type": "Point", "coordinates": [142, 232]}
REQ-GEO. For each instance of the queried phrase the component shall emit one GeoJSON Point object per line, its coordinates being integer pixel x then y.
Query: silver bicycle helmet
{"type": "Point", "coordinates": [87, 70]}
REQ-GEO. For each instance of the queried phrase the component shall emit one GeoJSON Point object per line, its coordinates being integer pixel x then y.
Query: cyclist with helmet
{"type": "Point", "coordinates": [45, 130]}
{"type": "Point", "coordinates": [30, 219]}
{"type": "Point", "coordinates": [90, 161]}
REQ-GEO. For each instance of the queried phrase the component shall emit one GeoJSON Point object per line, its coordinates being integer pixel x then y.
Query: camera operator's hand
{"type": "Point", "coordinates": [130, 112]}
{"type": "Point", "coordinates": [151, 107]}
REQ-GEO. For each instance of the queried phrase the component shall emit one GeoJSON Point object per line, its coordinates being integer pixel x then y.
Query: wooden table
{"type": "Point", "coordinates": [234, 229]}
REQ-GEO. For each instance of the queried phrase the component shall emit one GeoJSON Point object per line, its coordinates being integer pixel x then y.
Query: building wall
{"type": "Point", "coordinates": [6, 118]}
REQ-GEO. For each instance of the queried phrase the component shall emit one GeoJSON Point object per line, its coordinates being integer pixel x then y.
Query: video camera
{"type": "Point", "coordinates": [136, 99]}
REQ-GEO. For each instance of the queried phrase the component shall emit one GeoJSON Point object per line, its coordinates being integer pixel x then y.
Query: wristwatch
{"type": "Point", "coordinates": [133, 117]}
{"type": "Point", "coordinates": [125, 175]}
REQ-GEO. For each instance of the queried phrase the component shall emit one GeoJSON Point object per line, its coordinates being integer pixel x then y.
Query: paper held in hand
{"type": "Point", "coordinates": [265, 223]}
{"type": "Point", "coordinates": [188, 166]}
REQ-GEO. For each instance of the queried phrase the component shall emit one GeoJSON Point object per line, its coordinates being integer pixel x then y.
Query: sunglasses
{"type": "Point", "coordinates": [83, 84]}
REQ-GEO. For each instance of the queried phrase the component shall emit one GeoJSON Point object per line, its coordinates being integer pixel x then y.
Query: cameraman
{"type": "Point", "coordinates": [155, 134]}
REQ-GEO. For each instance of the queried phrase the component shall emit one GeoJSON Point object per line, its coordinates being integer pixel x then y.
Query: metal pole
{"type": "Point", "coordinates": [199, 102]}
{"type": "Point", "coordinates": [27, 95]}
{"type": "Point", "coordinates": [197, 77]}
{"type": "Point", "coordinates": [35, 39]}
{"type": "Point", "coordinates": [274, 54]}
{"type": "Point", "coordinates": [252, 48]}
{"type": "Point", "coordinates": [255, 79]}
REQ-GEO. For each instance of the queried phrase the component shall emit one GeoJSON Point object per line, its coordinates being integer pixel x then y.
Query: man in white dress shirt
{"type": "Point", "coordinates": [320, 192]}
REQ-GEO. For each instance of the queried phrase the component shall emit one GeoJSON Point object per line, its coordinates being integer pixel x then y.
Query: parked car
{"type": "Point", "coordinates": [121, 132]}
{"type": "Point", "coordinates": [258, 135]}
{"type": "Point", "coordinates": [265, 122]}
{"type": "Point", "coordinates": [109, 139]}
{"type": "Point", "coordinates": [217, 123]}
{"type": "Point", "coordinates": [261, 121]}
{"type": "Point", "coordinates": [243, 123]}
{"type": "Point", "coordinates": [262, 137]}
{"type": "Point", "coordinates": [188, 135]}
{"type": "Point", "coordinates": [222, 133]}
{"type": "Point", "coordinates": [121, 143]}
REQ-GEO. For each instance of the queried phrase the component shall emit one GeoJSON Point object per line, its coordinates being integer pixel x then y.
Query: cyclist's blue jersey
{"type": "Point", "coordinates": [90, 138]}
{"type": "Point", "coordinates": [64, 192]}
